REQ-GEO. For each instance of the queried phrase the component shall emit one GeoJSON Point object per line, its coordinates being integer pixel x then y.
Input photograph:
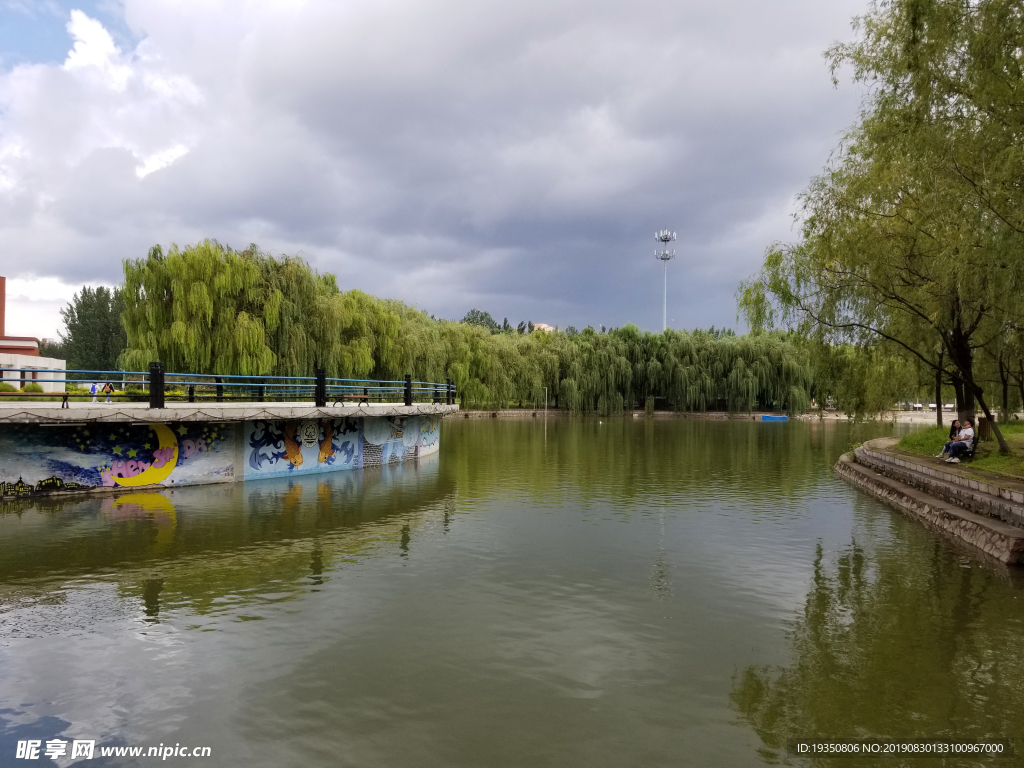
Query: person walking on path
{"type": "Point", "coordinates": [92, 390]}
{"type": "Point", "coordinates": [108, 390]}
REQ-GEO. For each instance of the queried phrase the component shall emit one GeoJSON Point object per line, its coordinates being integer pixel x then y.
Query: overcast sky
{"type": "Point", "coordinates": [512, 156]}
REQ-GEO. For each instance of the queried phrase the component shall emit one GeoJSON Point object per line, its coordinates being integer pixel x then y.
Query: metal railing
{"type": "Point", "coordinates": [160, 387]}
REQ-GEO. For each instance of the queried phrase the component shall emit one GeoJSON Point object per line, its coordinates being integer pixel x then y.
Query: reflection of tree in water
{"type": "Point", "coordinates": [898, 644]}
{"type": "Point", "coordinates": [151, 589]}
{"type": "Point", "coordinates": [661, 575]}
{"type": "Point", "coordinates": [661, 578]}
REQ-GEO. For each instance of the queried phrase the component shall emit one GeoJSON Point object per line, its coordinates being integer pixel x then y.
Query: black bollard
{"type": "Point", "coordinates": [156, 385]}
{"type": "Point", "coordinates": [320, 390]}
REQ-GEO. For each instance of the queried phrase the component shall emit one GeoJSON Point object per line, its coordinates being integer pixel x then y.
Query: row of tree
{"type": "Point", "coordinates": [912, 244]}
{"type": "Point", "coordinates": [209, 309]}
{"type": "Point", "coordinates": [484, 320]}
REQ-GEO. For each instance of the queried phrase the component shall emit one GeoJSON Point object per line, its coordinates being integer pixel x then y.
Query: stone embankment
{"type": "Point", "coordinates": [528, 413]}
{"type": "Point", "coordinates": [984, 512]}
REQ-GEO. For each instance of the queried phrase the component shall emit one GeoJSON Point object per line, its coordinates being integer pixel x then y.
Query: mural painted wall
{"type": "Point", "coordinates": [36, 459]}
{"type": "Point", "coordinates": [274, 448]}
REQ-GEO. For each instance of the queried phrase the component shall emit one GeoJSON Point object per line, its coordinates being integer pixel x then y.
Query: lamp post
{"type": "Point", "coordinates": [664, 255]}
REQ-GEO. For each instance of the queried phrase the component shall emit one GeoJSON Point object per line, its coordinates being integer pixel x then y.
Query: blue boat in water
{"type": "Point", "coordinates": [775, 418]}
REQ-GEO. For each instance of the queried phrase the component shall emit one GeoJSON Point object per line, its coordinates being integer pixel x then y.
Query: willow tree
{"type": "Point", "coordinates": [209, 309]}
{"type": "Point", "coordinates": [914, 236]}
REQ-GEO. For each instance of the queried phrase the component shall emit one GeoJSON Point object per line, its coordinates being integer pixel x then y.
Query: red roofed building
{"type": "Point", "coordinates": [20, 361]}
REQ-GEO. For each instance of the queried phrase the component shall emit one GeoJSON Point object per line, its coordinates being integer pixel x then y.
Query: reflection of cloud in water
{"type": "Point", "coordinates": [213, 547]}
{"type": "Point", "coordinates": [113, 648]}
{"type": "Point", "coordinates": [236, 553]}
{"type": "Point", "coordinates": [576, 640]}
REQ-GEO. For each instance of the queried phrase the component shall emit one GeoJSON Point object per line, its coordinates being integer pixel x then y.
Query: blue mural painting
{"type": "Point", "coordinates": [275, 448]}
{"type": "Point", "coordinates": [36, 459]}
{"type": "Point", "coordinates": [44, 459]}
{"type": "Point", "coordinates": [286, 447]}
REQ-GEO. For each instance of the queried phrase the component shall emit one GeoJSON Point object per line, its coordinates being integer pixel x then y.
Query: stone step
{"type": "Point", "coordinates": [997, 539]}
{"type": "Point", "coordinates": [984, 498]}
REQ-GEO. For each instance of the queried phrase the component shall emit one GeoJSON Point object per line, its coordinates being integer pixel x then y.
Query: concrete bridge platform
{"type": "Point", "coordinates": [87, 412]}
{"type": "Point", "coordinates": [107, 447]}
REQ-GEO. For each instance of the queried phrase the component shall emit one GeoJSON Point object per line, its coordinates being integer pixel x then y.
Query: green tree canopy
{"type": "Point", "coordinates": [913, 237]}
{"type": "Point", "coordinates": [209, 309]}
{"type": "Point", "coordinates": [482, 319]}
{"type": "Point", "coordinates": [93, 337]}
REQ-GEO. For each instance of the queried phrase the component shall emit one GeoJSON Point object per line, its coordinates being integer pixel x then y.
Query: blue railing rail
{"type": "Point", "coordinates": [159, 386]}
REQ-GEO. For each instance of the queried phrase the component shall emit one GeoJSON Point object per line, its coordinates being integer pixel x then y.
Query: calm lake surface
{"type": "Point", "coordinates": [582, 593]}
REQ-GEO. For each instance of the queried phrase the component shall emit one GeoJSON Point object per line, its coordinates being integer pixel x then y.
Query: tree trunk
{"type": "Point", "coordinates": [1020, 380]}
{"type": "Point", "coordinates": [961, 400]}
{"type": "Point", "coordinates": [1003, 447]}
{"type": "Point", "coordinates": [938, 393]}
{"type": "Point", "coordinates": [1004, 379]}
{"type": "Point", "coordinates": [961, 356]}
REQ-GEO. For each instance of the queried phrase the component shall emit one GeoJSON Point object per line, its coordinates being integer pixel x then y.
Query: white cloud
{"type": "Point", "coordinates": [94, 52]}
{"type": "Point", "coordinates": [159, 160]}
{"type": "Point", "coordinates": [34, 305]}
{"type": "Point", "coordinates": [446, 153]}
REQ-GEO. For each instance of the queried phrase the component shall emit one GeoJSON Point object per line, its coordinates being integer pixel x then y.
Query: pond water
{"type": "Point", "coordinates": [587, 592]}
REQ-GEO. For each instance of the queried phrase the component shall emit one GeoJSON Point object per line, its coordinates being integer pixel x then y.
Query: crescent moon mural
{"type": "Point", "coordinates": [155, 475]}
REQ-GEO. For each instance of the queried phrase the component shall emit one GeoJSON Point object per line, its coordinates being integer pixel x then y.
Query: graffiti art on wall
{"type": "Point", "coordinates": [284, 447]}
{"type": "Point", "coordinates": [37, 459]}
{"type": "Point", "coordinates": [287, 447]}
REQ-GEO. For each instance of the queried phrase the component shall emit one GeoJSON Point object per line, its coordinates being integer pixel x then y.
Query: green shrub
{"type": "Point", "coordinates": [32, 387]}
{"type": "Point", "coordinates": [5, 387]}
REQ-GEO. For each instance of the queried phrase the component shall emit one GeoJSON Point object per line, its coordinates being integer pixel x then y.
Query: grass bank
{"type": "Point", "coordinates": [928, 442]}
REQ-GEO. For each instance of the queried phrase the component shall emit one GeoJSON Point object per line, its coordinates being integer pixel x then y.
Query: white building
{"type": "Point", "coordinates": [20, 362]}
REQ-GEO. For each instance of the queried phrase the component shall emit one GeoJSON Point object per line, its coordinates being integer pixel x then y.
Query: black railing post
{"type": "Point", "coordinates": [191, 393]}
{"type": "Point", "coordinates": [320, 390]}
{"type": "Point", "coordinates": [449, 397]}
{"type": "Point", "coordinates": [261, 393]}
{"type": "Point", "coordinates": [220, 389]}
{"type": "Point", "coordinates": [156, 385]}
{"type": "Point", "coordinates": [408, 389]}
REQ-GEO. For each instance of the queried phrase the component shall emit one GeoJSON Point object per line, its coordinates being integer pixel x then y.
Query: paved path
{"type": "Point", "coordinates": [77, 413]}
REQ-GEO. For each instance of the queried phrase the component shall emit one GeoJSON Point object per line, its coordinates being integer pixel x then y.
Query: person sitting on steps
{"type": "Point", "coordinates": [962, 444]}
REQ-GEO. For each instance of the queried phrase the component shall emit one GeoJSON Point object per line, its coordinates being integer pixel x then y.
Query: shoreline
{"type": "Point", "coordinates": [532, 413]}
{"type": "Point", "coordinates": [986, 516]}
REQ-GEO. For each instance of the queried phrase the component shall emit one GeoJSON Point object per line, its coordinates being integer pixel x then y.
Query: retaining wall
{"type": "Point", "coordinates": [982, 515]}
{"type": "Point", "coordinates": [999, 540]}
{"type": "Point", "coordinates": [94, 456]}
{"type": "Point", "coordinates": [999, 501]}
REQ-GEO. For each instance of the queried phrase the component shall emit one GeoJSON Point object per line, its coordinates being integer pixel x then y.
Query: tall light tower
{"type": "Point", "coordinates": [665, 255]}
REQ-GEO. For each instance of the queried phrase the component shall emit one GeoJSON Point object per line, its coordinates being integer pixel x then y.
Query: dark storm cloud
{"type": "Point", "coordinates": [516, 157]}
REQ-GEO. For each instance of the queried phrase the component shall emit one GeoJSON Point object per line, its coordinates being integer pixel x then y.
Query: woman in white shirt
{"type": "Point", "coordinates": [963, 443]}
